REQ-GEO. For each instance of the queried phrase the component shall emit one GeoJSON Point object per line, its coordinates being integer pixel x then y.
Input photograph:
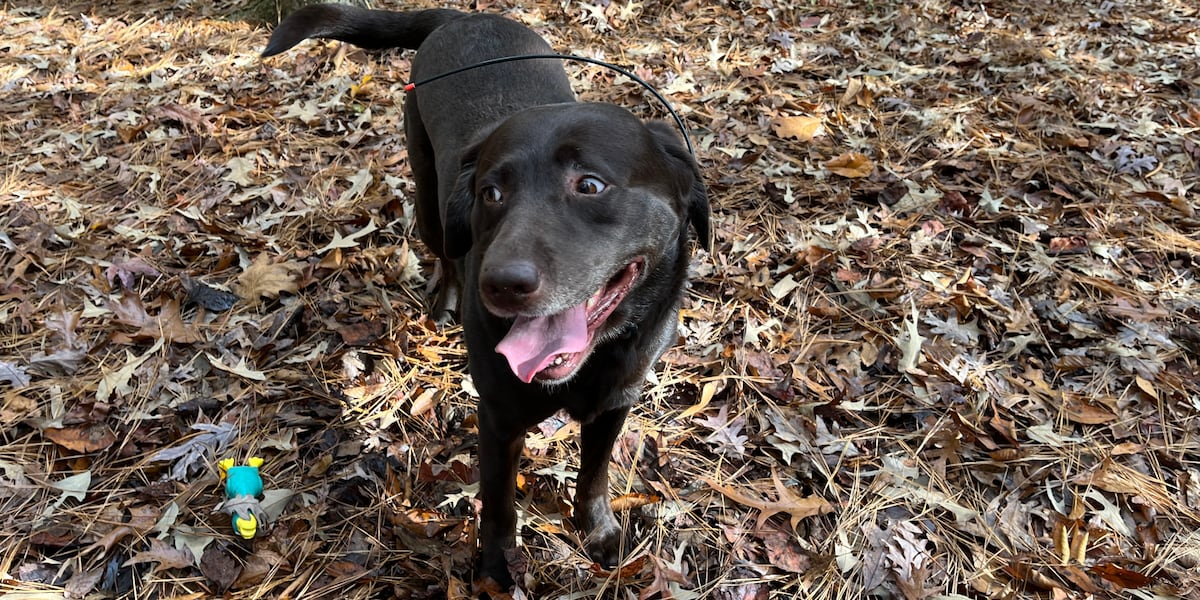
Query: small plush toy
{"type": "Point", "coordinates": [243, 490]}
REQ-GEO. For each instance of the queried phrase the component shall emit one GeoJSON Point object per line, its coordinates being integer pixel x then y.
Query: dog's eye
{"type": "Point", "coordinates": [590, 186]}
{"type": "Point", "coordinates": [491, 194]}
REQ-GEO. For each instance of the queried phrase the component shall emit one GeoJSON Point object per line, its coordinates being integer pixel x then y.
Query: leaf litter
{"type": "Point", "coordinates": [944, 345]}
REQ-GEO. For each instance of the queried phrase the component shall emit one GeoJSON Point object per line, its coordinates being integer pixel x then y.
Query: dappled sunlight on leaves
{"type": "Point", "coordinates": [944, 343]}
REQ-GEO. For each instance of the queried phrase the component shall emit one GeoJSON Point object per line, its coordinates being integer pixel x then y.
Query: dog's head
{"type": "Point", "coordinates": [568, 209]}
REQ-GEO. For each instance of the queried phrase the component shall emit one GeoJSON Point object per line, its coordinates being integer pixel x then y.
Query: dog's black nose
{"type": "Point", "coordinates": [510, 285]}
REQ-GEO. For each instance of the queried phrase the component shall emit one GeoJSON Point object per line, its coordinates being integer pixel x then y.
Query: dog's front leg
{"type": "Point", "coordinates": [499, 450]}
{"type": "Point", "coordinates": [593, 511]}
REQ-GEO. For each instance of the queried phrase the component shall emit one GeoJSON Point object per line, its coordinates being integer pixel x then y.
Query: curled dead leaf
{"type": "Point", "coordinates": [1084, 411]}
{"type": "Point", "coordinates": [1121, 576]}
{"type": "Point", "coordinates": [360, 87]}
{"type": "Point", "coordinates": [1072, 362]}
{"type": "Point", "coordinates": [489, 588]}
{"type": "Point", "coordinates": [1075, 244]}
{"type": "Point", "coordinates": [457, 589]}
{"type": "Point", "coordinates": [1006, 454]}
{"type": "Point", "coordinates": [1147, 387]}
{"type": "Point", "coordinates": [707, 392]}
{"type": "Point", "coordinates": [1062, 541]}
{"type": "Point", "coordinates": [204, 294]}
{"type": "Point", "coordinates": [851, 164]}
{"type": "Point", "coordinates": [634, 500]}
{"type": "Point", "coordinates": [425, 522]}
{"type": "Point", "coordinates": [344, 569]}
{"type": "Point", "coordinates": [1031, 575]}
{"type": "Point", "coordinates": [1176, 201]}
{"type": "Point", "coordinates": [1079, 544]}
{"type": "Point", "coordinates": [14, 407]}
{"type": "Point", "coordinates": [624, 571]}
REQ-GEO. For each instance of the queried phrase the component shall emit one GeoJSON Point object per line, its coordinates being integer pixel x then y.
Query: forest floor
{"type": "Point", "coordinates": [945, 344]}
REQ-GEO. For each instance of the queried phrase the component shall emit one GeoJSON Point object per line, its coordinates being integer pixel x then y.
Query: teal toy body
{"type": "Point", "coordinates": [243, 481]}
{"type": "Point", "coordinates": [243, 490]}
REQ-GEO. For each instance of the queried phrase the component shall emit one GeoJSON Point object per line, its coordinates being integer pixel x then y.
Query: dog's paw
{"type": "Point", "coordinates": [603, 543]}
{"type": "Point", "coordinates": [488, 589]}
{"type": "Point", "coordinates": [492, 574]}
{"type": "Point", "coordinates": [497, 572]}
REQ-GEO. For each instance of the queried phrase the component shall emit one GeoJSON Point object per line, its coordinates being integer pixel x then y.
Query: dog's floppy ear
{"type": "Point", "coordinates": [688, 180]}
{"type": "Point", "coordinates": [456, 215]}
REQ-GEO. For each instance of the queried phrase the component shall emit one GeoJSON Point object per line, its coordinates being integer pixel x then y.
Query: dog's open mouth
{"type": "Point", "coordinates": [551, 348]}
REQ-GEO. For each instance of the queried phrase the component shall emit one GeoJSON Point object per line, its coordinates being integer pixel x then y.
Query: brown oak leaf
{"type": "Point", "coordinates": [266, 279]}
{"type": "Point", "coordinates": [851, 164]}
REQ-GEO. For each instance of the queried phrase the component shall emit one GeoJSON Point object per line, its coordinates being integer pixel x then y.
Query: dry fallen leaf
{"type": "Point", "coordinates": [624, 570]}
{"type": "Point", "coordinates": [117, 382]}
{"type": "Point", "coordinates": [170, 326]}
{"type": "Point", "coordinates": [240, 369]}
{"type": "Point", "coordinates": [855, 92]}
{"type": "Point", "coordinates": [141, 520]}
{"type": "Point", "coordinates": [82, 438]}
{"type": "Point", "coordinates": [78, 586]}
{"type": "Point", "coordinates": [1032, 201]}
{"type": "Point", "coordinates": [707, 391]}
{"type": "Point", "coordinates": [1082, 410]}
{"type": "Point", "coordinates": [264, 278]}
{"type": "Point", "coordinates": [799, 507]}
{"type": "Point", "coordinates": [850, 164]}
{"type": "Point", "coordinates": [425, 522]}
{"type": "Point", "coordinates": [633, 500]}
{"type": "Point", "coordinates": [195, 452]}
{"type": "Point", "coordinates": [1112, 476]}
{"type": "Point", "coordinates": [259, 565]}
{"type": "Point", "coordinates": [166, 556]}
{"type": "Point", "coordinates": [220, 567]}
{"type": "Point", "coordinates": [802, 128]}
{"type": "Point", "coordinates": [14, 375]}
{"type": "Point", "coordinates": [785, 553]}
{"type": "Point", "coordinates": [1123, 577]}
{"type": "Point", "coordinates": [204, 294]}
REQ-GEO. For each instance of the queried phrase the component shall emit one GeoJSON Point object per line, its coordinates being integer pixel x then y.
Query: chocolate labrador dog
{"type": "Point", "coordinates": [564, 225]}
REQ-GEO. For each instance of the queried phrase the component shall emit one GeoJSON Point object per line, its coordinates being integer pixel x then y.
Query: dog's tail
{"type": "Point", "coordinates": [359, 26]}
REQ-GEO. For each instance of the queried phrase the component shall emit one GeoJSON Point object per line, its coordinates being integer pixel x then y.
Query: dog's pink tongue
{"type": "Point", "coordinates": [533, 342]}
